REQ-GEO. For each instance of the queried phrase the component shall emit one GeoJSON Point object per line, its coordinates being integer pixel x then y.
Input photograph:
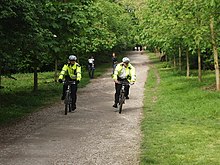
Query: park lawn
{"type": "Point", "coordinates": [17, 99]}
{"type": "Point", "coordinates": [181, 124]}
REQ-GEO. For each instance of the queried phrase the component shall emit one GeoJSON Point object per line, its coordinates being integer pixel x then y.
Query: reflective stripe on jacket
{"type": "Point", "coordinates": [73, 71]}
{"type": "Point", "coordinates": [125, 72]}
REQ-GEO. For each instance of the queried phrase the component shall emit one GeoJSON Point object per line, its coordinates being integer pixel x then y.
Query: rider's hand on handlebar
{"type": "Point", "coordinates": [60, 81]}
{"type": "Point", "coordinates": [116, 81]}
{"type": "Point", "coordinates": [132, 83]}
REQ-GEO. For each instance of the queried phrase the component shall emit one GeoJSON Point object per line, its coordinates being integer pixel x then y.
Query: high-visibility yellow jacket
{"type": "Point", "coordinates": [73, 71]}
{"type": "Point", "coordinates": [122, 72]}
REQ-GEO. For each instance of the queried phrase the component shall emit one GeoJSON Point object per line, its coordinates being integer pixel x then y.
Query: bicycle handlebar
{"type": "Point", "coordinates": [69, 82]}
{"type": "Point", "coordinates": [125, 83]}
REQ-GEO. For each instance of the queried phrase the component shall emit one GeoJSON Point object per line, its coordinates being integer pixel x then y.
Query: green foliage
{"type": "Point", "coordinates": [41, 29]}
{"type": "Point", "coordinates": [169, 24]}
{"type": "Point", "coordinates": [34, 33]}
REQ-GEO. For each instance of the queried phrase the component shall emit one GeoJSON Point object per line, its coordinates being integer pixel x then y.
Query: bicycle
{"type": "Point", "coordinates": [68, 97]}
{"type": "Point", "coordinates": [122, 95]}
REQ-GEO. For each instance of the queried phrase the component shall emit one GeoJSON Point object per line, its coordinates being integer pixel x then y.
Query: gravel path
{"type": "Point", "coordinates": [93, 135]}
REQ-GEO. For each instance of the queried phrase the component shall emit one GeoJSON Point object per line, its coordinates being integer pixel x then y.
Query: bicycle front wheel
{"type": "Point", "coordinates": [67, 103]}
{"type": "Point", "coordinates": [66, 109]}
{"type": "Point", "coordinates": [70, 104]}
{"type": "Point", "coordinates": [121, 102]}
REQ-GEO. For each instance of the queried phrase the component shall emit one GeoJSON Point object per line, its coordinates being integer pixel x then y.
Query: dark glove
{"type": "Point", "coordinates": [60, 81]}
{"type": "Point", "coordinates": [77, 82]}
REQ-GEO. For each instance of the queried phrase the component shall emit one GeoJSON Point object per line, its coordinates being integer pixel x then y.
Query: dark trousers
{"type": "Point", "coordinates": [117, 91]}
{"type": "Point", "coordinates": [113, 68]}
{"type": "Point", "coordinates": [73, 93]}
{"type": "Point", "coordinates": [91, 70]}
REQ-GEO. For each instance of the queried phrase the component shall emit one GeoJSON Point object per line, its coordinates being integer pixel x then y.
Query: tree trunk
{"type": "Point", "coordinates": [199, 65]}
{"type": "Point", "coordinates": [215, 51]}
{"type": "Point", "coordinates": [166, 57]}
{"type": "Point", "coordinates": [174, 61]}
{"type": "Point", "coordinates": [187, 62]}
{"type": "Point", "coordinates": [180, 61]}
{"type": "Point", "coordinates": [159, 53]}
{"type": "Point", "coordinates": [0, 76]}
{"type": "Point", "coordinates": [35, 79]}
{"type": "Point", "coordinates": [56, 71]}
{"type": "Point", "coordinates": [155, 51]}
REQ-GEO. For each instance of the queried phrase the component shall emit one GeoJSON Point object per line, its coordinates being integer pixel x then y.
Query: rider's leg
{"type": "Point", "coordinates": [113, 68]}
{"type": "Point", "coordinates": [64, 91]}
{"type": "Point", "coordinates": [74, 96]}
{"type": "Point", "coordinates": [117, 93]}
{"type": "Point", "coordinates": [89, 73]}
{"type": "Point", "coordinates": [89, 70]}
{"type": "Point", "coordinates": [127, 87]}
{"type": "Point", "coordinates": [92, 76]}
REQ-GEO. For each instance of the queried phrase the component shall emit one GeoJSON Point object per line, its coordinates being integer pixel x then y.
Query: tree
{"type": "Point", "coordinates": [43, 31]}
{"type": "Point", "coordinates": [166, 24]}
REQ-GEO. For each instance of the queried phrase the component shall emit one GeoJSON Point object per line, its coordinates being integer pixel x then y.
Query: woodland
{"type": "Point", "coordinates": [38, 35]}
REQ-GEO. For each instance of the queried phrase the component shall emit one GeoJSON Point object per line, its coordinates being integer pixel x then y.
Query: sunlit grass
{"type": "Point", "coordinates": [182, 125]}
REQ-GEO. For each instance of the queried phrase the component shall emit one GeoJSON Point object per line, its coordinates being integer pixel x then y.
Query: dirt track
{"type": "Point", "coordinates": [93, 135]}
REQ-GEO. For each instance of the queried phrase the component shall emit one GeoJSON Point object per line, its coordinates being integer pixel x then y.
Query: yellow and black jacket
{"type": "Point", "coordinates": [71, 71]}
{"type": "Point", "coordinates": [122, 72]}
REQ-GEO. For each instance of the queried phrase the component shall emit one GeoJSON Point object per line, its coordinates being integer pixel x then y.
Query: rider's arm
{"type": "Point", "coordinates": [78, 72]}
{"type": "Point", "coordinates": [63, 72]}
{"type": "Point", "coordinates": [133, 74]}
{"type": "Point", "coordinates": [116, 72]}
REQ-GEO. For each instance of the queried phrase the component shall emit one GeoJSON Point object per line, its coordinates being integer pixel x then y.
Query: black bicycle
{"type": "Point", "coordinates": [68, 97]}
{"type": "Point", "coordinates": [122, 95]}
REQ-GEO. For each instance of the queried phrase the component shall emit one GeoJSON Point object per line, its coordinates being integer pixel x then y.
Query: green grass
{"type": "Point", "coordinates": [17, 99]}
{"type": "Point", "coordinates": [181, 124]}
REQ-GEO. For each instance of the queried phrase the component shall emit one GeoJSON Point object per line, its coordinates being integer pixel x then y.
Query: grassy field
{"type": "Point", "coordinates": [17, 99]}
{"type": "Point", "coordinates": [181, 124]}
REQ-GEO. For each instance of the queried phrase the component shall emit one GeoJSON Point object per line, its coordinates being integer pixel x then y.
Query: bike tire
{"type": "Point", "coordinates": [66, 109]}
{"type": "Point", "coordinates": [66, 101]}
{"type": "Point", "coordinates": [70, 104]}
{"type": "Point", "coordinates": [120, 108]}
{"type": "Point", "coordinates": [121, 102]}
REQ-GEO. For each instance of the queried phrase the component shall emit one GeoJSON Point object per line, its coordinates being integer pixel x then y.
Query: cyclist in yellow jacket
{"type": "Point", "coordinates": [71, 72]}
{"type": "Point", "coordinates": [124, 71]}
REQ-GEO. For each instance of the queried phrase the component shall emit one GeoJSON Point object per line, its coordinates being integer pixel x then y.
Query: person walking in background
{"type": "Point", "coordinates": [124, 71]}
{"type": "Point", "coordinates": [91, 66]}
{"type": "Point", "coordinates": [71, 72]}
{"type": "Point", "coordinates": [114, 62]}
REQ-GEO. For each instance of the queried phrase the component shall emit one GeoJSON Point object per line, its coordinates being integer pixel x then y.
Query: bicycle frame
{"type": "Point", "coordinates": [68, 97]}
{"type": "Point", "coordinates": [122, 94]}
